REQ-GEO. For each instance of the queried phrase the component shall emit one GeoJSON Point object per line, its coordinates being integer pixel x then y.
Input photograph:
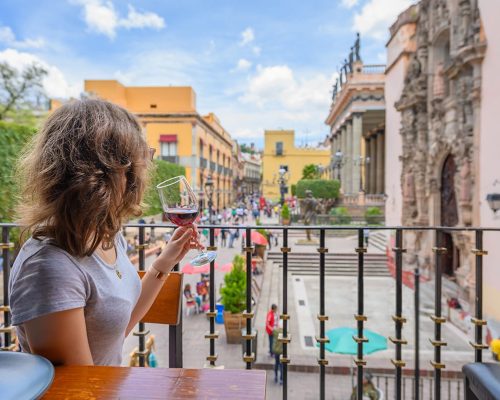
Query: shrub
{"type": "Point", "coordinates": [340, 216]}
{"type": "Point", "coordinates": [285, 211]}
{"type": "Point", "coordinates": [293, 188]}
{"type": "Point", "coordinates": [373, 215]}
{"type": "Point", "coordinates": [13, 138]}
{"type": "Point", "coordinates": [233, 293]}
{"type": "Point", "coordinates": [320, 188]}
{"type": "Point", "coordinates": [310, 171]}
{"type": "Point", "coordinates": [161, 171]}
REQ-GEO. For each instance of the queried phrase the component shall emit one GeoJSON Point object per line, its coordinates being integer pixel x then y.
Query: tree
{"type": "Point", "coordinates": [320, 188]}
{"type": "Point", "coordinates": [162, 170]}
{"type": "Point", "coordinates": [310, 171]}
{"type": "Point", "coordinates": [245, 148]}
{"type": "Point", "coordinates": [13, 138]}
{"type": "Point", "coordinates": [16, 86]}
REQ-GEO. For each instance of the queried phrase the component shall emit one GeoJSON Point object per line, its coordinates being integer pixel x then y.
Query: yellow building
{"type": "Point", "coordinates": [280, 151]}
{"type": "Point", "coordinates": [179, 134]}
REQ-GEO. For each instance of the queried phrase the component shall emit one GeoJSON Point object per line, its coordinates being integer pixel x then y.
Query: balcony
{"type": "Point", "coordinates": [203, 163]}
{"type": "Point", "coordinates": [320, 266]}
{"type": "Point", "coordinates": [374, 69]}
{"type": "Point", "coordinates": [171, 159]}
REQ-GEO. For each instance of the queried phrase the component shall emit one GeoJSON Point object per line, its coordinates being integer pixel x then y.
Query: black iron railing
{"type": "Point", "coordinates": [402, 377]}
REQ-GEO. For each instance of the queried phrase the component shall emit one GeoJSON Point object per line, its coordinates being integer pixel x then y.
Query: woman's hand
{"type": "Point", "coordinates": [183, 239]}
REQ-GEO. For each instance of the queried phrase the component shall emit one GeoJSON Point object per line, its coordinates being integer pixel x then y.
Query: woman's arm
{"type": "Point", "coordinates": [180, 243]}
{"type": "Point", "coordinates": [60, 337]}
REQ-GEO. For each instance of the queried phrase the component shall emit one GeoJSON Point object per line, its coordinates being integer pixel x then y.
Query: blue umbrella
{"type": "Point", "coordinates": [342, 342]}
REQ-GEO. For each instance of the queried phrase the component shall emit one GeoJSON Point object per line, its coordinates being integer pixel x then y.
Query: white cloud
{"type": "Point", "coordinates": [55, 84]}
{"type": "Point", "coordinates": [142, 20]}
{"type": "Point", "coordinates": [247, 36]}
{"type": "Point", "coordinates": [101, 17]}
{"type": "Point", "coordinates": [349, 3]}
{"type": "Point", "coordinates": [256, 50]}
{"type": "Point", "coordinates": [277, 85]}
{"type": "Point", "coordinates": [376, 17]}
{"type": "Point", "coordinates": [8, 37]}
{"type": "Point", "coordinates": [243, 65]}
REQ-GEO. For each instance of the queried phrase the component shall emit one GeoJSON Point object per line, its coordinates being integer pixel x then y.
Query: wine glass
{"type": "Point", "coordinates": [180, 205]}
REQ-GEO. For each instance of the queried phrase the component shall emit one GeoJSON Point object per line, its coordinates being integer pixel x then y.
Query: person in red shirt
{"type": "Point", "coordinates": [271, 324]}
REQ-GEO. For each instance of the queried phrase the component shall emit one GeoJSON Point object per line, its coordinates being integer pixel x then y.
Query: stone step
{"type": "Point", "coordinates": [339, 256]}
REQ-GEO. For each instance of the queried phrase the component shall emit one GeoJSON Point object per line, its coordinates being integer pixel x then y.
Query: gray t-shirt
{"type": "Point", "coordinates": [46, 279]}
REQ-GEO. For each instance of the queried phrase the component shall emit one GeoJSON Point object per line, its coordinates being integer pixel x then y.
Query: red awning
{"type": "Point", "coordinates": [168, 138]}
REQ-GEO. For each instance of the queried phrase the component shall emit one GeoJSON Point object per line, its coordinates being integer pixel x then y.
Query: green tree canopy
{"type": "Point", "coordinates": [310, 171]}
{"type": "Point", "coordinates": [162, 170]}
{"type": "Point", "coordinates": [18, 88]}
{"type": "Point", "coordinates": [13, 138]}
{"type": "Point", "coordinates": [320, 188]}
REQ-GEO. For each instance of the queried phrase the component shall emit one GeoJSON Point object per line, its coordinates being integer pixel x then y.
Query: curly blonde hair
{"type": "Point", "coordinates": [82, 175]}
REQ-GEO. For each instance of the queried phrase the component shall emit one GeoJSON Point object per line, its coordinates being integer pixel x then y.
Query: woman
{"type": "Point", "coordinates": [75, 296]}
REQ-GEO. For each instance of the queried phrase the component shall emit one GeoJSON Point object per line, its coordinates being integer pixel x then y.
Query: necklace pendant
{"type": "Point", "coordinates": [118, 274]}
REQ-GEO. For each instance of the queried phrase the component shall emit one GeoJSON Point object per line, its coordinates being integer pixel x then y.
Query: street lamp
{"type": "Point", "coordinates": [338, 161]}
{"type": "Point", "coordinates": [493, 200]}
{"type": "Point", "coordinates": [282, 183]}
{"type": "Point", "coordinates": [363, 163]}
{"type": "Point", "coordinates": [209, 190]}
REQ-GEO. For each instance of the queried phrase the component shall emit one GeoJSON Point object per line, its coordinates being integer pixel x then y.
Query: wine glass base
{"type": "Point", "coordinates": [204, 258]}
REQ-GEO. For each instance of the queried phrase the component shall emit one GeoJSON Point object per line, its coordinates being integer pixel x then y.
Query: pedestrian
{"type": "Point", "coordinates": [271, 324]}
{"type": "Point", "coordinates": [278, 350]}
{"type": "Point", "coordinates": [152, 222]}
{"type": "Point", "coordinates": [270, 239]}
{"type": "Point", "coordinates": [366, 235]}
{"type": "Point", "coordinates": [223, 234]}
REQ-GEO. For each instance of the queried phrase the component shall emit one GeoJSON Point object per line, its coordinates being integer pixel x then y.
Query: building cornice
{"type": "Point", "coordinates": [194, 116]}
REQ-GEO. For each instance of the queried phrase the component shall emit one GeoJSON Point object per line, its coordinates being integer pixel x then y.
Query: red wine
{"type": "Point", "coordinates": [181, 216]}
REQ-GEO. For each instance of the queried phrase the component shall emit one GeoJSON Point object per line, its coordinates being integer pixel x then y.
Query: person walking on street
{"type": "Point", "coordinates": [278, 350]}
{"type": "Point", "coordinates": [271, 324]}
{"type": "Point", "coordinates": [366, 235]}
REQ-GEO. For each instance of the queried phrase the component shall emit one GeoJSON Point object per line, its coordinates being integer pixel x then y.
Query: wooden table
{"type": "Point", "coordinates": [77, 382]}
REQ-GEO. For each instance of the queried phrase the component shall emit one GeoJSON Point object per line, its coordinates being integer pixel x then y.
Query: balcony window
{"type": "Point", "coordinates": [279, 148]}
{"type": "Point", "coordinates": [168, 149]}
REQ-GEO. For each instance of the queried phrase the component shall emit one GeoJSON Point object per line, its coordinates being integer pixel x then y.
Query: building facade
{"type": "Point", "coordinates": [177, 131]}
{"type": "Point", "coordinates": [280, 152]}
{"type": "Point", "coordinates": [357, 125]}
{"type": "Point", "coordinates": [443, 72]}
{"type": "Point", "coordinates": [252, 173]}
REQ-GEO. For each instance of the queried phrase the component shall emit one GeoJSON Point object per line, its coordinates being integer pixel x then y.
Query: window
{"type": "Point", "coordinates": [279, 148]}
{"type": "Point", "coordinates": [168, 149]}
{"type": "Point", "coordinates": [152, 105]}
{"type": "Point", "coordinates": [201, 148]}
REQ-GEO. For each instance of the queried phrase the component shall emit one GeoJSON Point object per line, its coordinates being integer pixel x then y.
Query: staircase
{"type": "Point", "coordinates": [336, 264]}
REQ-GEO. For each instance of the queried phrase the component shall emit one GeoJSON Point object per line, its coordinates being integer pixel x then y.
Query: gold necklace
{"type": "Point", "coordinates": [114, 265]}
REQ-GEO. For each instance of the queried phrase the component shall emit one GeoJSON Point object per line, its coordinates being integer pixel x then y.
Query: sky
{"type": "Point", "coordinates": [256, 64]}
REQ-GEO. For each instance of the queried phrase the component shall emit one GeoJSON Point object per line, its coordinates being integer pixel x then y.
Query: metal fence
{"type": "Point", "coordinates": [400, 383]}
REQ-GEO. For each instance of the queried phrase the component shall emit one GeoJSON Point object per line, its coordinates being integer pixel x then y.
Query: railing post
{"type": "Point", "coordinates": [211, 335]}
{"type": "Point", "coordinates": [478, 319]}
{"type": "Point", "coordinates": [175, 340]}
{"type": "Point", "coordinates": [322, 339]}
{"type": "Point", "coordinates": [249, 356]}
{"type": "Point", "coordinates": [360, 317]}
{"type": "Point", "coordinates": [398, 318]}
{"type": "Point", "coordinates": [417, 332]}
{"type": "Point", "coordinates": [6, 245]}
{"type": "Point", "coordinates": [437, 318]}
{"type": "Point", "coordinates": [286, 337]}
{"type": "Point", "coordinates": [142, 331]}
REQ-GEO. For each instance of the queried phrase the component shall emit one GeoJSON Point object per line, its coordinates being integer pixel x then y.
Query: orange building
{"type": "Point", "coordinates": [177, 131]}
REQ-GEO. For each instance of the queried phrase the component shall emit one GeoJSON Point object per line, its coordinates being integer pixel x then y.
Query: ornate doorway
{"type": "Point", "coordinates": [449, 216]}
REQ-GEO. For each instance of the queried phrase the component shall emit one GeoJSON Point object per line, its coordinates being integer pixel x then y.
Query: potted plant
{"type": "Point", "coordinates": [233, 297]}
{"type": "Point", "coordinates": [285, 214]}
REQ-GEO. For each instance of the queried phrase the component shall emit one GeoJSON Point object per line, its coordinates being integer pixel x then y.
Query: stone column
{"type": "Point", "coordinates": [349, 160]}
{"type": "Point", "coordinates": [380, 163]}
{"type": "Point", "coordinates": [343, 149]}
{"type": "Point", "coordinates": [357, 127]}
{"type": "Point", "coordinates": [373, 164]}
{"type": "Point", "coordinates": [366, 177]}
